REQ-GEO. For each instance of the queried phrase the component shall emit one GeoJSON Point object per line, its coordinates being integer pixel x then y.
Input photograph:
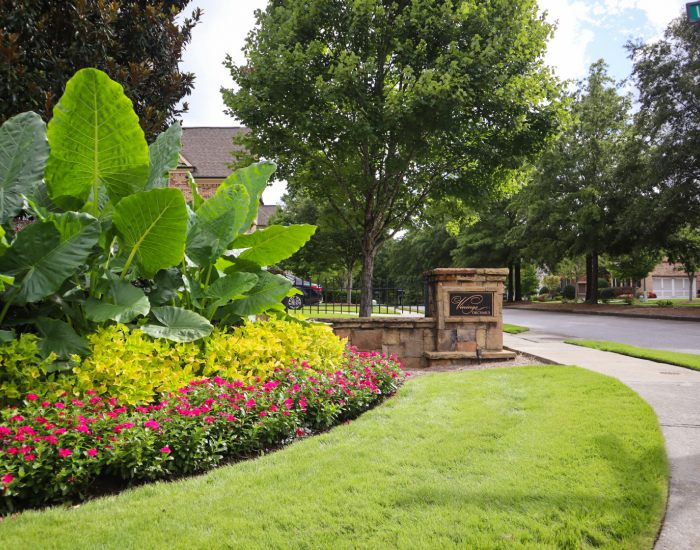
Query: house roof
{"type": "Point", "coordinates": [208, 150]}
{"type": "Point", "coordinates": [264, 213]}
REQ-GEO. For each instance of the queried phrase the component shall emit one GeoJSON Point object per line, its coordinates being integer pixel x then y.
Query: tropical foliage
{"type": "Point", "coordinates": [110, 243]}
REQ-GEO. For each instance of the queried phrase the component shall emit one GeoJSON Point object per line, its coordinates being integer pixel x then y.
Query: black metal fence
{"type": "Point", "coordinates": [337, 295]}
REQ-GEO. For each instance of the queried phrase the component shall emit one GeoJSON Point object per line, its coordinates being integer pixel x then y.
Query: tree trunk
{"type": "Point", "coordinates": [367, 273]}
{"type": "Point", "coordinates": [594, 275]}
{"type": "Point", "coordinates": [518, 284]}
{"type": "Point", "coordinates": [589, 276]}
{"type": "Point", "coordinates": [691, 276]}
{"type": "Point", "coordinates": [510, 282]}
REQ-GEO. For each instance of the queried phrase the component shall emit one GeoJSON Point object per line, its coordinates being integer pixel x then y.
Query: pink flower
{"type": "Point", "coordinates": [7, 479]}
{"type": "Point", "coordinates": [300, 432]}
{"type": "Point", "coordinates": [208, 420]}
{"type": "Point", "coordinates": [113, 401]}
{"type": "Point", "coordinates": [273, 408]}
{"type": "Point", "coordinates": [32, 397]}
{"type": "Point", "coordinates": [60, 406]}
{"type": "Point", "coordinates": [165, 449]}
{"type": "Point", "coordinates": [45, 404]}
{"type": "Point", "coordinates": [64, 452]}
{"type": "Point", "coordinates": [51, 439]}
{"type": "Point", "coordinates": [17, 418]}
{"type": "Point", "coordinates": [92, 452]}
{"type": "Point", "coordinates": [151, 424]}
{"type": "Point", "coordinates": [91, 392]}
{"type": "Point", "coordinates": [263, 413]}
{"type": "Point", "coordinates": [250, 404]}
{"type": "Point", "coordinates": [60, 431]}
{"type": "Point", "coordinates": [29, 457]}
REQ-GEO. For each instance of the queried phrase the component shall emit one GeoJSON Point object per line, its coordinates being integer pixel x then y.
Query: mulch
{"type": "Point", "coordinates": [679, 311]}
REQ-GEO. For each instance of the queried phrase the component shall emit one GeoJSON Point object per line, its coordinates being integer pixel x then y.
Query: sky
{"type": "Point", "coordinates": [587, 30]}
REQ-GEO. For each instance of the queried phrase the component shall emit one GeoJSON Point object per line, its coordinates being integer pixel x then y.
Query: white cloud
{"type": "Point", "coordinates": [567, 50]}
{"type": "Point", "coordinates": [660, 13]}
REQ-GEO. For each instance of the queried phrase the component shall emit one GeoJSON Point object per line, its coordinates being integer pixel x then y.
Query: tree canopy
{"type": "Point", "coordinates": [375, 106]}
{"type": "Point", "coordinates": [137, 43]}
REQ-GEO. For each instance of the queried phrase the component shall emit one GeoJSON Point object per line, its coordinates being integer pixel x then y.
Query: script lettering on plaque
{"type": "Point", "coordinates": [466, 304]}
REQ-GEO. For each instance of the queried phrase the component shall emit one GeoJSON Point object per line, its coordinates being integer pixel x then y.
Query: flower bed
{"type": "Point", "coordinates": [52, 451]}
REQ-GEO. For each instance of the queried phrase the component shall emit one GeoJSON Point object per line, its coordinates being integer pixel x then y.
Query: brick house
{"type": "Point", "coordinates": [204, 154]}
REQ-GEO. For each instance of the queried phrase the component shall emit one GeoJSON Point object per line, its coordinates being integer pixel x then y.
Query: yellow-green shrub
{"type": "Point", "coordinates": [132, 367]}
{"type": "Point", "coordinates": [23, 371]}
{"type": "Point", "coordinates": [256, 349]}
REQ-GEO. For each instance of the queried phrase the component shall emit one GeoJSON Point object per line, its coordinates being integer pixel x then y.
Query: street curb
{"type": "Point", "coordinates": [609, 314]}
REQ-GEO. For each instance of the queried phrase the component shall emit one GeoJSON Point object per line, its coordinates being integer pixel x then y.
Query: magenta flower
{"type": "Point", "coordinates": [60, 406]}
{"type": "Point", "coordinates": [300, 432]}
{"type": "Point", "coordinates": [151, 424]}
{"type": "Point", "coordinates": [63, 453]}
{"type": "Point", "coordinates": [250, 404]}
{"type": "Point", "coordinates": [165, 449]}
{"type": "Point", "coordinates": [45, 404]}
{"type": "Point", "coordinates": [273, 408]}
{"type": "Point", "coordinates": [263, 413]}
{"type": "Point", "coordinates": [29, 457]}
{"type": "Point", "coordinates": [32, 397]}
{"type": "Point", "coordinates": [208, 419]}
{"type": "Point", "coordinates": [92, 452]}
{"type": "Point", "coordinates": [7, 479]}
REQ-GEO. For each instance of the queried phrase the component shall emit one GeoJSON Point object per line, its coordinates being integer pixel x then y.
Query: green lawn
{"type": "Point", "coordinates": [671, 357]}
{"type": "Point", "coordinates": [514, 329]}
{"type": "Point", "coordinates": [522, 458]}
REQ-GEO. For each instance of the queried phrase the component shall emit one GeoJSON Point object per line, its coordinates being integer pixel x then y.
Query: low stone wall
{"type": "Point", "coordinates": [465, 323]}
{"type": "Point", "coordinates": [407, 338]}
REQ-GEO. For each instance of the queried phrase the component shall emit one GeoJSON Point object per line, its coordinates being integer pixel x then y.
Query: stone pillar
{"type": "Point", "coordinates": [467, 305]}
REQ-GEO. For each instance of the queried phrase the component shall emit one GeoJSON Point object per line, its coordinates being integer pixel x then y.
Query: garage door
{"type": "Point", "coordinates": [672, 287]}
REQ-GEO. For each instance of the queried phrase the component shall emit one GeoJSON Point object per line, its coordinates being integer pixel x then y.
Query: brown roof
{"type": "Point", "coordinates": [209, 149]}
{"type": "Point", "coordinates": [264, 212]}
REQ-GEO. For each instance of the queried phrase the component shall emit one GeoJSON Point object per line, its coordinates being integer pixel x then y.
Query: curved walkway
{"type": "Point", "coordinates": [674, 393]}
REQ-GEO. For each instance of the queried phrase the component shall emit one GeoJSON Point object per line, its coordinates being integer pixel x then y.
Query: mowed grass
{"type": "Point", "coordinates": [514, 329]}
{"type": "Point", "coordinates": [523, 458]}
{"type": "Point", "coordinates": [688, 360]}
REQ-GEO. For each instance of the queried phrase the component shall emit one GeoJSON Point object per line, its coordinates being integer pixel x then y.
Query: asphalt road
{"type": "Point", "coordinates": [679, 336]}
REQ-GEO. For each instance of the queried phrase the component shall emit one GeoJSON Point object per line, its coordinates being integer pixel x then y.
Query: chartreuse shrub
{"type": "Point", "coordinates": [110, 243]}
{"type": "Point", "coordinates": [530, 458]}
{"type": "Point", "coordinates": [52, 450]}
{"type": "Point", "coordinates": [134, 367]}
{"type": "Point", "coordinates": [257, 349]}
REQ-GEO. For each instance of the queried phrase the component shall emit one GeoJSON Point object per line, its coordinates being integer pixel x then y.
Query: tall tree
{"type": "Point", "coordinates": [137, 43]}
{"type": "Point", "coordinates": [376, 105]}
{"type": "Point", "coordinates": [667, 74]}
{"type": "Point", "coordinates": [576, 199]}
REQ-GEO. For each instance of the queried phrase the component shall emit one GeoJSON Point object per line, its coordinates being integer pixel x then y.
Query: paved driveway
{"type": "Point", "coordinates": [680, 336]}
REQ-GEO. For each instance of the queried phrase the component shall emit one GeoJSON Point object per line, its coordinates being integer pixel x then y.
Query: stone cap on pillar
{"type": "Point", "coordinates": [481, 274]}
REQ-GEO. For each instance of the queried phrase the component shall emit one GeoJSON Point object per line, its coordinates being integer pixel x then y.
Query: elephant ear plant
{"type": "Point", "coordinates": [110, 242]}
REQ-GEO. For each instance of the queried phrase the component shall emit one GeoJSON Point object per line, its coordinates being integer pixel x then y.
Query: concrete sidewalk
{"type": "Point", "coordinates": [674, 393]}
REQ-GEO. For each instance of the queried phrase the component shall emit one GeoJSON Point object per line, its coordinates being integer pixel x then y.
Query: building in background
{"type": "Point", "coordinates": [205, 153]}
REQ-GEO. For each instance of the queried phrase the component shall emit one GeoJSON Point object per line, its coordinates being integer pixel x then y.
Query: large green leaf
{"type": "Point", "coordinates": [58, 337]}
{"type": "Point", "coordinates": [41, 204]}
{"type": "Point", "coordinates": [95, 141]}
{"type": "Point", "coordinates": [177, 324]}
{"type": "Point", "coordinates": [46, 253]}
{"type": "Point", "coordinates": [274, 243]}
{"type": "Point", "coordinates": [254, 179]}
{"type": "Point", "coordinates": [167, 284]}
{"type": "Point", "coordinates": [269, 291]}
{"type": "Point", "coordinates": [127, 303]}
{"type": "Point", "coordinates": [197, 199]}
{"type": "Point", "coordinates": [23, 154]}
{"type": "Point", "coordinates": [216, 223]}
{"type": "Point", "coordinates": [226, 288]}
{"type": "Point", "coordinates": [154, 225]}
{"type": "Point", "coordinates": [164, 154]}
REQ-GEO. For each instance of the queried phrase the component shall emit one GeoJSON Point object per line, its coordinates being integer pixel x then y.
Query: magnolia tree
{"type": "Point", "coordinates": [110, 242]}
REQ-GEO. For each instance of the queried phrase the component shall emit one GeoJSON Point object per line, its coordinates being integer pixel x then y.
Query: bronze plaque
{"type": "Point", "coordinates": [468, 304]}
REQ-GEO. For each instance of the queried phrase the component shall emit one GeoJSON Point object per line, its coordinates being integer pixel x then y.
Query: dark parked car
{"type": "Point", "coordinates": [312, 294]}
